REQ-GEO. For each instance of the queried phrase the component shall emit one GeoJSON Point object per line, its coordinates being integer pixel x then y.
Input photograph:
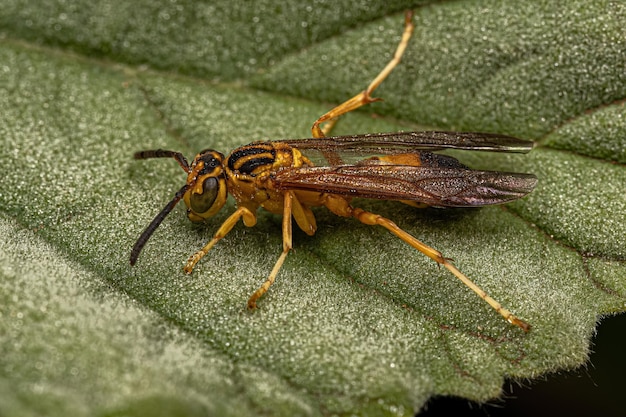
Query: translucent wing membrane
{"type": "Point", "coordinates": [407, 142]}
{"type": "Point", "coordinates": [442, 187]}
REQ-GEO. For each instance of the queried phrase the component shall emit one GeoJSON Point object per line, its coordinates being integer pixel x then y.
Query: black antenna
{"type": "Point", "coordinates": [160, 153]}
{"type": "Point", "coordinates": [182, 161]}
{"type": "Point", "coordinates": [134, 254]}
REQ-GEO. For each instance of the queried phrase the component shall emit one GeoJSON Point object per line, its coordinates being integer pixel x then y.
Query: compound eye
{"type": "Point", "coordinates": [202, 202]}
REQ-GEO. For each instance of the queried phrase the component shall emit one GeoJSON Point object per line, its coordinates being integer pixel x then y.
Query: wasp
{"type": "Point", "coordinates": [279, 177]}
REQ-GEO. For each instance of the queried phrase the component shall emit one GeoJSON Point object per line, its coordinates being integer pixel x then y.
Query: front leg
{"type": "Point", "coordinates": [249, 219]}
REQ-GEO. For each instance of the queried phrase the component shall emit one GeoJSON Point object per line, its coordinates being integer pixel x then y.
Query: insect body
{"type": "Point", "coordinates": [280, 177]}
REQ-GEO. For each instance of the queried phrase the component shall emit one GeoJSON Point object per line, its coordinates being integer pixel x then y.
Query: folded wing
{"type": "Point", "coordinates": [435, 186]}
{"type": "Point", "coordinates": [403, 142]}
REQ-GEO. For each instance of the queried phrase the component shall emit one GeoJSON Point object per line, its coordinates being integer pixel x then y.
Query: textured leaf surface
{"type": "Point", "coordinates": [357, 322]}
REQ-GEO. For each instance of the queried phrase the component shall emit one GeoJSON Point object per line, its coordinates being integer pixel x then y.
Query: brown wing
{"type": "Point", "coordinates": [435, 186]}
{"type": "Point", "coordinates": [407, 142]}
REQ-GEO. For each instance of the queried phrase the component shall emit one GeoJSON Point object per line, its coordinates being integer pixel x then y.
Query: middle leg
{"type": "Point", "coordinates": [287, 245]}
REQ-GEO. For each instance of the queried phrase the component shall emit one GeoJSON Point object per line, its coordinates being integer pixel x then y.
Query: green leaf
{"type": "Point", "coordinates": [357, 322]}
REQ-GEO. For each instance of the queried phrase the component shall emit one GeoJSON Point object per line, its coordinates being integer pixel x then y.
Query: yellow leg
{"type": "Point", "coordinates": [288, 201]}
{"type": "Point", "coordinates": [249, 220]}
{"type": "Point", "coordinates": [303, 216]}
{"type": "Point", "coordinates": [341, 207]}
{"type": "Point", "coordinates": [375, 219]}
{"type": "Point", "coordinates": [365, 97]}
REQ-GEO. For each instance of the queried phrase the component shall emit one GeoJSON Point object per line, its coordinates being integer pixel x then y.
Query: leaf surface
{"type": "Point", "coordinates": [357, 322]}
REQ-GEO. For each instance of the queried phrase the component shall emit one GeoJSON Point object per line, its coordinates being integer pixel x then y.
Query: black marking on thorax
{"type": "Point", "coordinates": [247, 159]}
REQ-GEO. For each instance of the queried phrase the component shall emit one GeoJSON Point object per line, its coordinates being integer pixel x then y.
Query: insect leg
{"type": "Point", "coordinates": [342, 208]}
{"type": "Point", "coordinates": [249, 220]}
{"type": "Point", "coordinates": [373, 219]}
{"type": "Point", "coordinates": [365, 97]}
{"type": "Point", "coordinates": [303, 216]}
{"type": "Point", "coordinates": [288, 201]}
